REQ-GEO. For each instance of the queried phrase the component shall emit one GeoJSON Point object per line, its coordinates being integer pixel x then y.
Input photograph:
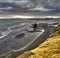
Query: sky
{"type": "Point", "coordinates": [11, 0]}
{"type": "Point", "coordinates": [44, 7]}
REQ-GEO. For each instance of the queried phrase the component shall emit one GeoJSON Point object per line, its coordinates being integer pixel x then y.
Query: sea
{"type": "Point", "coordinates": [6, 24]}
{"type": "Point", "coordinates": [9, 27]}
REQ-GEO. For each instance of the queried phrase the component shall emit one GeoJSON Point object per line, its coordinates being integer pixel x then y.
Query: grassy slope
{"type": "Point", "coordinates": [49, 49]}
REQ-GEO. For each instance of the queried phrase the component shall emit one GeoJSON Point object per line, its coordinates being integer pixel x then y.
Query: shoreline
{"type": "Point", "coordinates": [48, 49]}
{"type": "Point", "coordinates": [31, 45]}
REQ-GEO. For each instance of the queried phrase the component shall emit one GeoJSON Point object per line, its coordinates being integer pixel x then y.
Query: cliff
{"type": "Point", "coordinates": [49, 49]}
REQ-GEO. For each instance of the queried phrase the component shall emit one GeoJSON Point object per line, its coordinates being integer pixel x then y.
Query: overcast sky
{"type": "Point", "coordinates": [11, 0]}
{"type": "Point", "coordinates": [46, 6]}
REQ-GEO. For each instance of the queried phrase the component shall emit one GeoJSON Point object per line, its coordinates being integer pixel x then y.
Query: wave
{"type": "Point", "coordinates": [12, 28]}
{"type": "Point", "coordinates": [17, 26]}
{"type": "Point", "coordinates": [4, 33]}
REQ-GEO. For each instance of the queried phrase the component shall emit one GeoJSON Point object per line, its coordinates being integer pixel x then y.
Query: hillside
{"type": "Point", "coordinates": [49, 49]}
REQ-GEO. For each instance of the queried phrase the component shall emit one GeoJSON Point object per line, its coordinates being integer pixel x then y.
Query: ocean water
{"type": "Point", "coordinates": [7, 37]}
{"type": "Point", "coordinates": [6, 24]}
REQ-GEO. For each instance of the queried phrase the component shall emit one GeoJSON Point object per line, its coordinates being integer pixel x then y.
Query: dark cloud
{"type": "Point", "coordinates": [30, 5]}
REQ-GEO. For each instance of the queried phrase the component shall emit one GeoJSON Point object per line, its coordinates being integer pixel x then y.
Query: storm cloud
{"type": "Point", "coordinates": [31, 5]}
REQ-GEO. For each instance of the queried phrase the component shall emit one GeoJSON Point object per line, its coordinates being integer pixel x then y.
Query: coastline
{"type": "Point", "coordinates": [14, 53]}
{"type": "Point", "coordinates": [38, 40]}
{"type": "Point", "coordinates": [49, 49]}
